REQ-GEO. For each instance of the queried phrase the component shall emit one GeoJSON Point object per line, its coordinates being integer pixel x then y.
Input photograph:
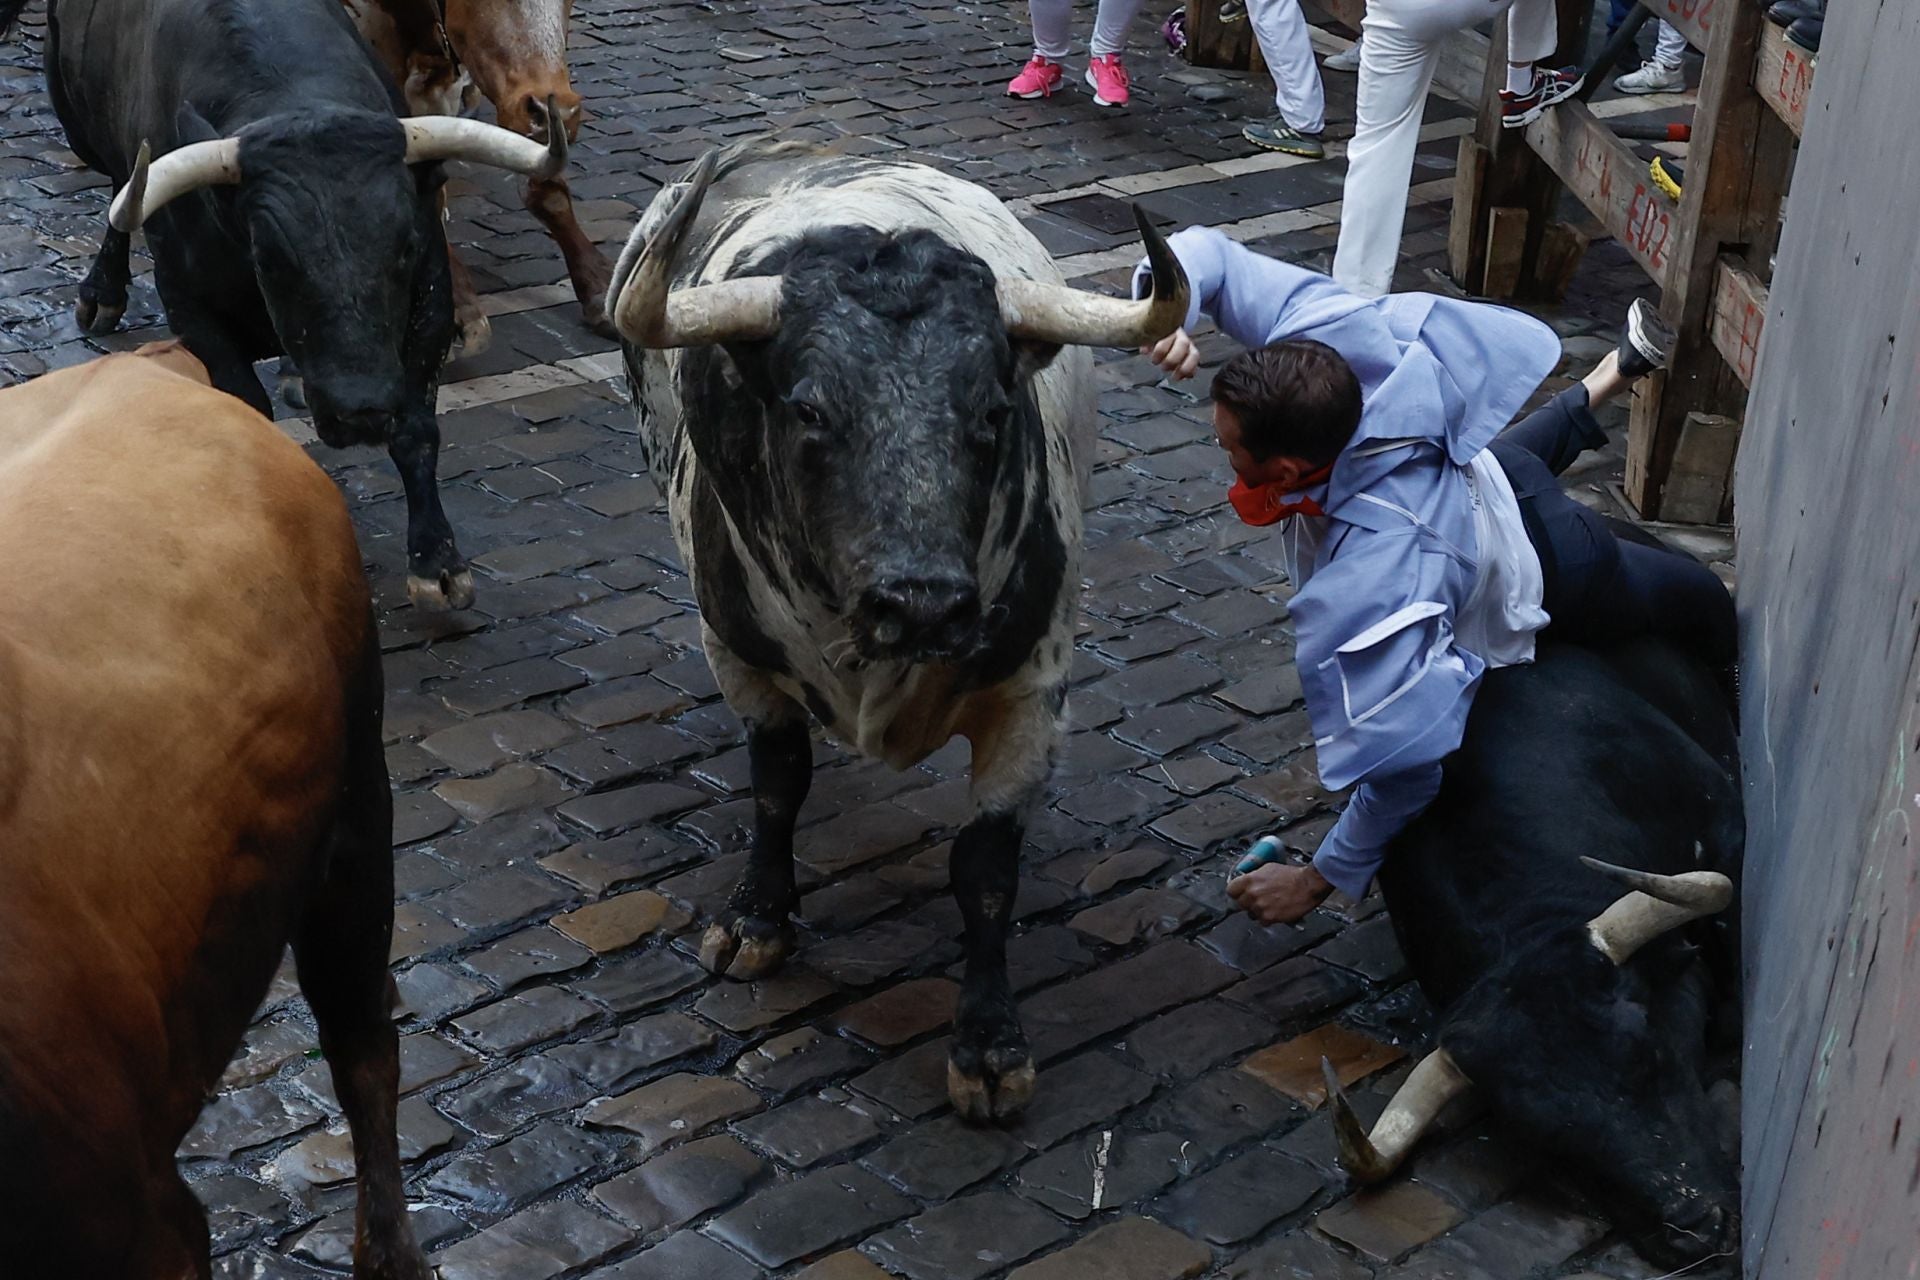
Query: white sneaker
{"type": "Point", "coordinates": [1653, 77]}
{"type": "Point", "coordinates": [1348, 59]}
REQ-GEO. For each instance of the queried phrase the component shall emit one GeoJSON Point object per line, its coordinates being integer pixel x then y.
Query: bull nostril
{"type": "Point", "coordinates": [921, 606]}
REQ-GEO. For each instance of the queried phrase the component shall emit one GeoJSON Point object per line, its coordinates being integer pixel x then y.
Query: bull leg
{"type": "Point", "coordinates": [103, 294]}
{"type": "Point", "coordinates": [990, 1069]}
{"type": "Point", "coordinates": [551, 201]}
{"type": "Point", "coordinates": [469, 320]}
{"type": "Point", "coordinates": [173, 1243]}
{"type": "Point", "coordinates": [341, 951]}
{"type": "Point", "coordinates": [437, 576]}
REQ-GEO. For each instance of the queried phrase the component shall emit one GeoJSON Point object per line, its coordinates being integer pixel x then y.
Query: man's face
{"type": "Point", "coordinates": [1278, 469]}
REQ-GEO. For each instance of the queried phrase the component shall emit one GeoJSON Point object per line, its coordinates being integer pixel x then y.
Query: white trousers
{"type": "Point", "coordinates": [1398, 55]}
{"type": "Point", "coordinates": [1281, 29]}
{"type": "Point", "coordinates": [1053, 26]}
{"type": "Point", "coordinates": [1670, 46]}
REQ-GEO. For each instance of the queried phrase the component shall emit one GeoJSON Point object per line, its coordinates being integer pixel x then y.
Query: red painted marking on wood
{"type": "Point", "coordinates": [1648, 226]}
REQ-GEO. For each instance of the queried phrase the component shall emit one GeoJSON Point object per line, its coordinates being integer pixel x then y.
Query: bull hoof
{"type": "Point", "coordinates": [96, 317]}
{"type": "Point", "coordinates": [474, 333]}
{"type": "Point", "coordinates": [293, 390]}
{"type": "Point", "coordinates": [447, 592]}
{"type": "Point", "coordinates": [995, 1085]}
{"type": "Point", "coordinates": [745, 947]}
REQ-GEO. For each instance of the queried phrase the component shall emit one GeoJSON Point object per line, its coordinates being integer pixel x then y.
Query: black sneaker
{"type": "Point", "coordinates": [1518, 110]}
{"type": "Point", "coordinates": [1278, 135]}
{"type": "Point", "coordinates": [1784, 13]}
{"type": "Point", "coordinates": [1646, 341]}
{"type": "Point", "coordinates": [1805, 32]}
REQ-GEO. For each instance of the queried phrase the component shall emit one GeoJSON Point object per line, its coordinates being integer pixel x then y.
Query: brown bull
{"type": "Point", "coordinates": [515, 53]}
{"type": "Point", "coordinates": [191, 777]}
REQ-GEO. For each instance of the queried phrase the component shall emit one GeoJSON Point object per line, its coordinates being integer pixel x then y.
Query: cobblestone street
{"type": "Point", "coordinates": [580, 1097]}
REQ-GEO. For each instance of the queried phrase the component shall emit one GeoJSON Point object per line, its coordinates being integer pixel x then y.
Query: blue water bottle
{"type": "Point", "coordinates": [1266, 849]}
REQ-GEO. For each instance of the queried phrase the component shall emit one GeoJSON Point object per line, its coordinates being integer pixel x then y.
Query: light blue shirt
{"type": "Point", "coordinates": [1382, 577]}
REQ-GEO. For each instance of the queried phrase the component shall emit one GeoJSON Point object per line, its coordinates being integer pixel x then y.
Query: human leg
{"type": "Point", "coordinates": [1298, 96]}
{"type": "Point", "coordinates": [1396, 69]}
{"type": "Point", "coordinates": [1042, 76]}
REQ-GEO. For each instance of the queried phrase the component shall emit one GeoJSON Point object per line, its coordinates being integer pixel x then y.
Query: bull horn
{"type": "Point", "coordinates": [650, 312]}
{"type": "Point", "coordinates": [458, 138]}
{"type": "Point", "coordinates": [1075, 317]}
{"type": "Point", "coordinates": [1656, 904]}
{"type": "Point", "coordinates": [1370, 1157]}
{"type": "Point", "coordinates": [183, 169]}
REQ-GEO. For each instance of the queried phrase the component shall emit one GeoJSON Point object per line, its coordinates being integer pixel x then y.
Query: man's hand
{"type": "Point", "coordinates": [1175, 354]}
{"type": "Point", "coordinates": [1278, 893]}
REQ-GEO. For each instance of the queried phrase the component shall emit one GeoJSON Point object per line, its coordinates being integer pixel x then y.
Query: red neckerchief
{"type": "Point", "coordinates": [1269, 504]}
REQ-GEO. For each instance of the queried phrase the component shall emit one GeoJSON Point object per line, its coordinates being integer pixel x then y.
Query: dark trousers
{"type": "Point", "coordinates": [1600, 587]}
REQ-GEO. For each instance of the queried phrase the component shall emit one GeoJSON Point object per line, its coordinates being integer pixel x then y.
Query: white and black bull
{"type": "Point", "coordinates": [863, 389]}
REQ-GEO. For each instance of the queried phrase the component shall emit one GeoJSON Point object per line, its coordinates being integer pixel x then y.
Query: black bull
{"type": "Point", "coordinates": [315, 237]}
{"type": "Point", "coordinates": [1582, 1016]}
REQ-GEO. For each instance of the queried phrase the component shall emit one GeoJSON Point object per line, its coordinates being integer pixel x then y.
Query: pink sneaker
{"type": "Point", "coordinates": [1108, 76]}
{"type": "Point", "coordinates": [1038, 79]}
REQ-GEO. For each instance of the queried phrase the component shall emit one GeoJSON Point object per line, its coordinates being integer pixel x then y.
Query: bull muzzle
{"type": "Point", "coordinates": [216, 162]}
{"type": "Point", "coordinates": [921, 617]}
{"type": "Point", "coordinates": [649, 312]}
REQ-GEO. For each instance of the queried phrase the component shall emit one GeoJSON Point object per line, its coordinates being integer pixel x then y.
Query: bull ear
{"type": "Point", "coordinates": [192, 126]}
{"type": "Point", "coordinates": [1030, 357]}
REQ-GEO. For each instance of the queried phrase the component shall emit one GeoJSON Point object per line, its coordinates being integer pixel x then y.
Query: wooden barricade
{"type": "Point", "coordinates": [1707, 253]}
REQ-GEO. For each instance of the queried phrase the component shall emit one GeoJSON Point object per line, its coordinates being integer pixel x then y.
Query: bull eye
{"type": "Point", "coordinates": [808, 415]}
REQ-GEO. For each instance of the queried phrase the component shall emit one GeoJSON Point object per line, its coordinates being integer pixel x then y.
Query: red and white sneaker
{"type": "Point", "coordinates": [1108, 76]}
{"type": "Point", "coordinates": [1038, 79]}
{"type": "Point", "coordinates": [1518, 110]}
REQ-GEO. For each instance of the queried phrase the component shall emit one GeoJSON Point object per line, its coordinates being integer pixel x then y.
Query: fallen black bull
{"type": "Point", "coordinates": [288, 210]}
{"type": "Point", "coordinates": [1580, 1015]}
{"type": "Point", "coordinates": [862, 387]}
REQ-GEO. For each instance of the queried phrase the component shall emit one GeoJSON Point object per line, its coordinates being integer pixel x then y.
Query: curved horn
{"type": "Point", "coordinates": [1655, 905]}
{"type": "Point", "coordinates": [1370, 1157]}
{"type": "Point", "coordinates": [458, 138]}
{"type": "Point", "coordinates": [651, 313]}
{"type": "Point", "coordinates": [1075, 317]}
{"type": "Point", "coordinates": [183, 169]}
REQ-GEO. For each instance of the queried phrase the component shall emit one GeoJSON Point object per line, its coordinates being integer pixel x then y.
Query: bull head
{"type": "Point", "coordinates": [650, 313]}
{"type": "Point", "coordinates": [216, 162]}
{"type": "Point", "coordinates": [1656, 904]}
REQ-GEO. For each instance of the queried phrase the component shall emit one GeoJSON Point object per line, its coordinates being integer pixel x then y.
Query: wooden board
{"type": "Point", "coordinates": [1694, 18]}
{"type": "Point", "coordinates": [1612, 182]}
{"type": "Point", "coordinates": [1739, 315]}
{"type": "Point", "coordinates": [1784, 77]}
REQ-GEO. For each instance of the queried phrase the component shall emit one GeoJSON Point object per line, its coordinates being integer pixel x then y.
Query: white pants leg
{"type": "Point", "coordinates": [1670, 48]}
{"type": "Point", "coordinates": [1298, 96]}
{"type": "Point", "coordinates": [1533, 29]}
{"type": "Point", "coordinates": [1395, 70]}
{"type": "Point", "coordinates": [1110, 25]}
{"type": "Point", "coordinates": [1052, 26]}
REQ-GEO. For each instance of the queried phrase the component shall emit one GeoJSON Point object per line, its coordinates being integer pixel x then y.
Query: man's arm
{"type": "Point", "coordinates": [1248, 294]}
{"type": "Point", "coordinates": [1380, 809]}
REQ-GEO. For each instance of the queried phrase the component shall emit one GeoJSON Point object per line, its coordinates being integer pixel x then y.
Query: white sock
{"type": "Point", "coordinates": [1520, 78]}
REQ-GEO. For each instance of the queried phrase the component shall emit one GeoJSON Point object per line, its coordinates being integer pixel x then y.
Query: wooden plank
{"type": "Point", "coordinates": [1506, 245]}
{"type": "Point", "coordinates": [1784, 77]}
{"type": "Point", "coordinates": [1469, 177]}
{"type": "Point", "coordinates": [1739, 315]}
{"type": "Point", "coordinates": [1348, 13]}
{"type": "Point", "coordinates": [1695, 19]}
{"type": "Point", "coordinates": [1211, 42]}
{"type": "Point", "coordinates": [1699, 486]}
{"type": "Point", "coordinates": [1612, 182]}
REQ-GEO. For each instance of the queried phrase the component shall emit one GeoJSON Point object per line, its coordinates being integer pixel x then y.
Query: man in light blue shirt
{"type": "Point", "coordinates": [1424, 545]}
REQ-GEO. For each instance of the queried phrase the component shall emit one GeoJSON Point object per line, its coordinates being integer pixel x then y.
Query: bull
{"type": "Point", "coordinates": [191, 777]}
{"type": "Point", "coordinates": [289, 212]}
{"type": "Point", "coordinates": [863, 390]}
{"type": "Point", "coordinates": [514, 52]}
{"type": "Point", "coordinates": [1580, 1014]}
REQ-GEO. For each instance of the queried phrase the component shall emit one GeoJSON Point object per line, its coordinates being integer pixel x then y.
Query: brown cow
{"type": "Point", "coordinates": [516, 54]}
{"type": "Point", "coordinates": [191, 776]}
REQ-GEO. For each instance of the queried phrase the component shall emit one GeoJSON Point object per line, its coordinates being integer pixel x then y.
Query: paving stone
{"type": "Point", "coordinates": [499, 1103]}
{"type": "Point", "coordinates": [1188, 1040]}
{"type": "Point", "coordinates": [621, 921]}
{"type": "Point", "coordinates": [1390, 1222]}
{"type": "Point", "coordinates": [812, 1213]}
{"type": "Point", "coordinates": [845, 1265]}
{"type": "Point", "coordinates": [831, 847]}
{"type": "Point", "coordinates": [1079, 1092]}
{"type": "Point", "coordinates": [476, 746]}
{"type": "Point", "coordinates": [518, 1021]}
{"type": "Point", "coordinates": [673, 1108]}
{"type": "Point", "coordinates": [1097, 872]}
{"type": "Point", "coordinates": [1519, 1238]}
{"type": "Point", "coordinates": [498, 1179]}
{"type": "Point", "coordinates": [903, 1012]}
{"type": "Point", "coordinates": [1240, 1197]}
{"type": "Point", "coordinates": [1293, 790]}
{"type": "Point", "coordinates": [1475, 1173]}
{"type": "Point", "coordinates": [1162, 731]}
{"type": "Point", "coordinates": [965, 1239]}
{"type": "Point", "coordinates": [686, 1255]}
{"type": "Point", "coordinates": [629, 983]}
{"type": "Point", "coordinates": [1368, 949]}
{"type": "Point", "coordinates": [1193, 775]}
{"type": "Point", "coordinates": [1219, 1110]}
{"type": "Point", "coordinates": [501, 843]}
{"type": "Point", "coordinates": [266, 1049]}
{"type": "Point", "coordinates": [1296, 989]}
{"type": "Point", "coordinates": [1210, 819]}
{"type": "Point", "coordinates": [677, 1186]}
{"type": "Point", "coordinates": [1040, 956]}
{"type": "Point", "coordinates": [1266, 693]}
{"type": "Point", "coordinates": [530, 953]}
{"type": "Point", "coordinates": [432, 992]}
{"type": "Point", "coordinates": [610, 812]}
{"type": "Point", "coordinates": [742, 1007]}
{"type": "Point", "coordinates": [1294, 1257]}
{"type": "Point", "coordinates": [1138, 916]}
{"type": "Point", "coordinates": [943, 1157]}
{"type": "Point", "coordinates": [912, 1084]}
{"type": "Point", "coordinates": [1129, 1249]}
{"type": "Point", "coordinates": [809, 1130]}
{"type": "Point", "coordinates": [1249, 946]}
{"type": "Point", "coordinates": [600, 865]}
{"type": "Point", "coordinates": [609, 1061]}
{"type": "Point", "coordinates": [1103, 1170]}
{"type": "Point", "coordinates": [427, 1059]}
{"type": "Point", "coordinates": [1293, 1066]}
{"type": "Point", "coordinates": [797, 1060]}
{"type": "Point", "coordinates": [573, 1234]}
{"type": "Point", "coordinates": [1313, 1142]}
{"type": "Point", "coordinates": [1064, 1017]}
{"type": "Point", "coordinates": [500, 898]}
{"type": "Point", "coordinates": [246, 1118]}
{"type": "Point", "coordinates": [879, 951]}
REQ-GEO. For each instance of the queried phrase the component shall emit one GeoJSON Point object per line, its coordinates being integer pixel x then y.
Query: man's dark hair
{"type": "Point", "coordinates": [1297, 398]}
